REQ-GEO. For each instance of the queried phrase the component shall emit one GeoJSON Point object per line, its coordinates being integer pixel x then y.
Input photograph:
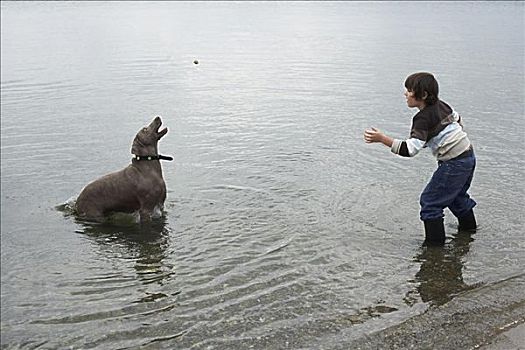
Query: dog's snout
{"type": "Point", "coordinates": [155, 124]}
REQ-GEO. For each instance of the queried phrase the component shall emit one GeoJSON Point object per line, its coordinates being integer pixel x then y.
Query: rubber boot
{"type": "Point", "coordinates": [467, 222]}
{"type": "Point", "coordinates": [434, 232]}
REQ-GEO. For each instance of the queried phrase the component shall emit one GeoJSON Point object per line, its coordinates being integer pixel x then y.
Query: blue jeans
{"type": "Point", "coordinates": [448, 188]}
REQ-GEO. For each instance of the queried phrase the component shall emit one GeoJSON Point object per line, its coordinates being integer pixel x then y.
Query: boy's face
{"type": "Point", "coordinates": [412, 101]}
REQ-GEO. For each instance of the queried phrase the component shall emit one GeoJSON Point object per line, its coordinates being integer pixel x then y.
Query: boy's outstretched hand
{"type": "Point", "coordinates": [375, 135]}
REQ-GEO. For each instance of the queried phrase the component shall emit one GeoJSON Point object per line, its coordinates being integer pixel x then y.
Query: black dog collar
{"type": "Point", "coordinates": [156, 157]}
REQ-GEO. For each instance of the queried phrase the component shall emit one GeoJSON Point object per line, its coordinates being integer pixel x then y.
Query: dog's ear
{"type": "Point", "coordinates": [162, 133]}
{"type": "Point", "coordinates": [136, 146]}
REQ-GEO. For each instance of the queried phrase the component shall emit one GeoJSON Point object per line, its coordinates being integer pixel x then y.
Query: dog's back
{"type": "Point", "coordinates": [111, 193]}
{"type": "Point", "coordinates": [138, 187]}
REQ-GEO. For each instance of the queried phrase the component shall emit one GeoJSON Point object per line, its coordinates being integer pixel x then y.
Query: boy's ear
{"type": "Point", "coordinates": [425, 95]}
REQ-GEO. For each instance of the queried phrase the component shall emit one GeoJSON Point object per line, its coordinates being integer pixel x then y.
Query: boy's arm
{"type": "Point", "coordinates": [374, 135]}
{"type": "Point", "coordinates": [404, 148]}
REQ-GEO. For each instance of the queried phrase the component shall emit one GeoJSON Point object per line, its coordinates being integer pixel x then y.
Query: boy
{"type": "Point", "coordinates": [439, 127]}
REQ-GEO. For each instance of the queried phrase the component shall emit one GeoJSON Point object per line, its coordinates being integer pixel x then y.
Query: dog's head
{"type": "Point", "coordinates": [146, 140]}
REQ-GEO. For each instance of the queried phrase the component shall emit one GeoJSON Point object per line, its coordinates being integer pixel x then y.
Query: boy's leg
{"type": "Point", "coordinates": [435, 196]}
{"type": "Point", "coordinates": [467, 222]}
{"type": "Point", "coordinates": [431, 201]}
{"type": "Point", "coordinates": [434, 232]}
{"type": "Point", "coordinates": [447, 182]}
{"type": "Point", "coordinates": [462, 205]}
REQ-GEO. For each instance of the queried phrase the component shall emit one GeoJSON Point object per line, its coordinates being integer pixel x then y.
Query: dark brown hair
{"type": "Point", "coordinates": [422, 82]}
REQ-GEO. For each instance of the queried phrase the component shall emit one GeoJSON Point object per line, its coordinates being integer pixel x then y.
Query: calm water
{"type": "Point", "coordinates": [283, 229]}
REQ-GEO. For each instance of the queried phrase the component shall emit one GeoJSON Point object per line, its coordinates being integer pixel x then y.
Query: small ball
{"type": "Point", "coordinates": [196, 62]}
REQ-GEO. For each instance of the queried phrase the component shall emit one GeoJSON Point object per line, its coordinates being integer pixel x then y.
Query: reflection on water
{"type": "Point", "coordinates": [440, 276]}
{"type": "Point", "coordinates": [140, 308]}
{"type": "Point", "coordinates": [145, 244]}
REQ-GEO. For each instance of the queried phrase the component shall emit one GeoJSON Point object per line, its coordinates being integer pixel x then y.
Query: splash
{"type": "Point", "coordinates": [68, 208]}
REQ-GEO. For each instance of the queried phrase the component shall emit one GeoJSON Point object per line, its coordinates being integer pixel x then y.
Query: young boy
{"type": "Point", "coordinates": [439, 127]}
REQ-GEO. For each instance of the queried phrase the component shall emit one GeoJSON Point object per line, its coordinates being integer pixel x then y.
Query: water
{"type": "Point", "coordinates": [282, 227]}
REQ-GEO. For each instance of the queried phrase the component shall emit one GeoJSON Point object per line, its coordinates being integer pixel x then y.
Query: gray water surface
{"type": "Point", "coordinates": [282, 228]}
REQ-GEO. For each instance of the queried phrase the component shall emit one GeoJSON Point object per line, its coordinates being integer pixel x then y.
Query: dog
{"type": "Point", "coordinates": [139, 187]}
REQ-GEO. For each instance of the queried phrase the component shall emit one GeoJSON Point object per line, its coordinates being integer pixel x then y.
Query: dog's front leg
{"type": "Point", "coordinates": [145, 215]}
{"type": "Point", "coordinates": [148, 203]}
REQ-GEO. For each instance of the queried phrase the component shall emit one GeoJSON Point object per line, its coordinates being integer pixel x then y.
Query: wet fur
{"type": "Point", "coordinates": [138, 187]}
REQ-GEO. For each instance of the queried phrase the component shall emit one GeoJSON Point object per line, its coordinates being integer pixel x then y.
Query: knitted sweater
{"type": "Point", "coordinates": [436, 126]}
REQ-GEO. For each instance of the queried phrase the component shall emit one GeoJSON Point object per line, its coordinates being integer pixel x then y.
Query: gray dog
{"type": "Point", "coordinates": [138, 187]}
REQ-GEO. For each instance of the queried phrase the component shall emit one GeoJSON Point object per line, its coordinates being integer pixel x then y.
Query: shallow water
{"type": "Point", "coordinates": [282, 228]}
